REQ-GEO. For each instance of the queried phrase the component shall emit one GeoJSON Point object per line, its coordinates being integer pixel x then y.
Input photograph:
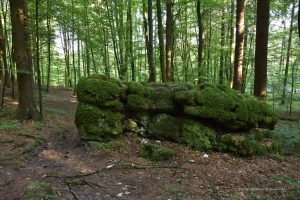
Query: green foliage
{"type": "Point", "coordinates": [40, 190]}
{"type": "Point", "coordinates": [288, 135]}
{"type": "Point", "coordinates": [7, 124]}
{"type": "Point", "coordinates": [156, 153]}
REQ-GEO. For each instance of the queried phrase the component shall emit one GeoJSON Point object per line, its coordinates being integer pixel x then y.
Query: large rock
{"type": "Point", "coordinates": [154, 97]}
{"type": "Point", "coordinates": [96, 124]}
{"type": "Point", "coordinates": [226, 107]}
{"type": "Point", "coordinates": [100, 91]}
{"type": "Point", "coordinates": [203, 117]}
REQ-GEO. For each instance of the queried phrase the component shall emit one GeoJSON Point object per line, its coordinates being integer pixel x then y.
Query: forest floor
{"type": "Point", "coordinates": [51, 151]}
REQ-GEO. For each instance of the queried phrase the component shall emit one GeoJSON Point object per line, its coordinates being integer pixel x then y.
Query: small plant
{"type": "Point", "coordinates": [156, 153]}
{"type": "Point", "coordinates": [9, 125]}
{"type": "Point", "coordinates": [40, 190]}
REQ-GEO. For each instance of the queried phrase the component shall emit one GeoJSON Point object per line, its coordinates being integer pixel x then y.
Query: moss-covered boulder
{"type": "Point", "coordinates": [197, 136]}
{"type": "Point", "coordinates": [97, 124]}
{"type": "Point", "coordinates": [255, 142]}
{"type": "Point", "coordinates": [226, 107]}
{"type": "Point", "coordinates": [100, 91]}
{"type": "Point", "coordinates": [40, 190]}
{"type": "Point", "coordinates": [153, 97]}
{"type": "Point", "coordinates": [164, 126]}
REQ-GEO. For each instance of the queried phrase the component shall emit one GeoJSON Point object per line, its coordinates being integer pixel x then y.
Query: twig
{"type": "Point", "coordinates": [72, 192]}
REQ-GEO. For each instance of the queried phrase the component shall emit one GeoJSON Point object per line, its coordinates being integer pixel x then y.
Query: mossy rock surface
{"type": "Point", "coordinates": [97, 124]}
{"type": "Point", "coordinates": [153, 97]}
{"type": "Point", "coordinates": [40, 190]}
{"type": "Point", "coordinates": [256, 142]}
{"type": "Point", "coordinates": [100, 91]}
{"type": "Point", "coordinates": [164, 126]}
{"type": "Point", "coordinates": [198, 136]}
{"type": "Point", "coordinates": [228, 108]}
{"type": "Point", "coordinates": [156, 153]}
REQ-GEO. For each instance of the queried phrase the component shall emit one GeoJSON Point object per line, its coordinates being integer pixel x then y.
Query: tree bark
{"type": "Point", "coordinates": [286, 71]}
{"type": "Point", "coordinates": [239, 46]}
{"type": "Point", "coordinates": [48, 45]}
{"type": "Point", "coordinates": [261, 50]}
{"type": "Point", "coordinates": [161, 41]}
{"type": "Point", "coordinates": [221, 70]}
{"type": "Point", "coordinates": [152, 70]}
{"type": "Point", "coordinates": [169, 40]}
{"type": "Point", "coordinates": [37, 34]}
{"type": "Point", "coordinates": [200, 43]}
{"type": "Point", "coordinates": [26, 108]}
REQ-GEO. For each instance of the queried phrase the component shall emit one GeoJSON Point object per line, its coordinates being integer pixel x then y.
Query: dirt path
{"type": "Point", "coordinates": [52, 152]}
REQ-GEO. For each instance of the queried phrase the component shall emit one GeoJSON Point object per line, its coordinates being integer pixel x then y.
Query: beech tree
{"type": "Point", "coordinates": [239, 45]}
{"type": "Point", "coordinates": [261, 48]}
{"type": "Point", "coordinates": [22, 56]}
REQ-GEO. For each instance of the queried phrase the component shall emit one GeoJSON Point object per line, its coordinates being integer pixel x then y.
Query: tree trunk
{"type": "Point", "coordinates": [261, 50]}
{"type": "Point", "coordinates": [200, 43]}
{"type": "Point", "coordinates": [299, 19]}
{"type": "Point", "coordinates": [152, 70]}
{"type": "Point", "coordinates": [4, 61]}
{"type": "Point", "coordinates": [221, 70]}
{"type": "Point", "coordinates": [161, 41]}
{"type": "Point", "coordinates": [48, 45]}
{"type": "Point", "coordinates": [286, 71]}
{"type": "Point", "coordinates": [232, 45]}
{"type": "Point", "coordinates": [26, 108]}
{"type": "Point", "coordinates": [37, 34]}
{"type": "Point", "coordinates": [239, 46]}
{"type": "Point", "coordinates": [169, 40]}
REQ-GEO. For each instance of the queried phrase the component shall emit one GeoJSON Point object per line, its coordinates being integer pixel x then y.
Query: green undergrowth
{"type": "Point", "coordinates": [7, 124]}
{"type": "Point", "coordinates": [156, 153]}
{"type": "Point", "coordinates": [40, 190]}
{"type": "Point", "coordinates": [288, 134]}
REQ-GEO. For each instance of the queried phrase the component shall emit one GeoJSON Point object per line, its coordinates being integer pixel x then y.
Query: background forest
{"type": "Point", "coordinates": [156, 41]}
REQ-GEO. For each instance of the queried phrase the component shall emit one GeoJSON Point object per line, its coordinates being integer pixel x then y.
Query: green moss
{"type": "Point", "coordinates": [198, 136]}
{"type": "Point", "coordinates": [227, 107]}
{"type": "Point", "coordinates": [96, 124]}
{"type": "Point", "coordinates": [241, 145]}
{"type": "Point", "coordinates": [164, 126]}
{"type": "Point", "coordinates": [40, 190]}
{"type": "Point", "coordinates": [138, 103]}
{"type": "Point", "coordinates": [156, 153]}
{"type": "Point", "coordinates": [138, 88]}
{"type": "Point", "coordinates": [98, 90]}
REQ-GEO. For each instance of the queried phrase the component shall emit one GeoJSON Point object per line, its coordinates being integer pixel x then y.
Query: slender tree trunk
{"type": "Point", "coordinates": [261, 50]}
{"type": "Point", "coordinates": [73, 50]}
{"type": "Point", "coordinates": [299, 19]}
{"type": "Point", "coordinates": [161, 41]}
{"type": "Point", "coordinates": [232, 45]}
{"type": "Point", "coordinates": [239, 47]}
{"type": "Point", "coordinates": [286, 71]}
{"type": "Point", "coordinates": [221, 70]}
{"type": "Point", "coordinates": [169, 40]}
{"type": "Point", "coordinates": [48, 44]}
{"type": "Point", "coordinates": [152, 70]}
{"type": "Point", "coordinates": [4, 61]}
{"type": "Point", "coordinates": [26, 108]}
{"type": "Point", "coordinates": [200, 43]}
{"type": "Point", "coordinates": [3, 46]}
{"type": "Point", "coordinates": [37, 34]}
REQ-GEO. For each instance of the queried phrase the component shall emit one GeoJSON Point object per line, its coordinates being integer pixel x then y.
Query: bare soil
{"type": "Point", "coordinates": [51, 151]}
